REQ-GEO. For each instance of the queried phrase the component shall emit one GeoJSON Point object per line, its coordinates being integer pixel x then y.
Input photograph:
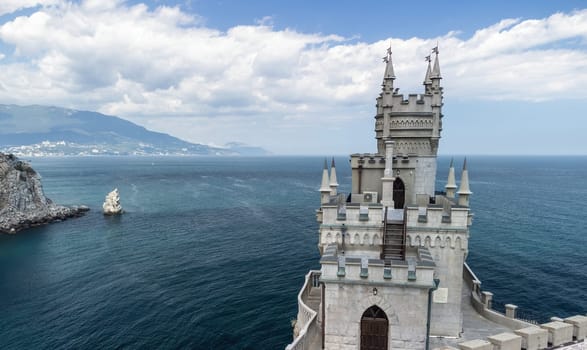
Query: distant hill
{"type": "Point", "coordinates": [41, 130]}
{"type": "Point", "coordinates": [246, 150]}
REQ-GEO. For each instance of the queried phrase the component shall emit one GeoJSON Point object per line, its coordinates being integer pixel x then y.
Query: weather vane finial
{"type": "Point", "coordinates": [387, 57]}
{"type": "Point", "coordinates": [435, 48]}
{"type": "Point", "coordinates": [427, 58]}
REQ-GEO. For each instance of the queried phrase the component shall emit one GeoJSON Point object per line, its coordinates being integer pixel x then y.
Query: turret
{"type": "Point", "coordinates": [451, 185]}
{"type": "Point", "coordinates": [325, 186]}
{"type": "Point", "coordinates": [436, 92]}
{"type": "Point", "coordinates": [384, 102]}
{"type": "Point", "coordinates": [435, 74]}
{"type": "Point", "coordinates": [464, 191]}
{"type": "Point", "coordinates": [427, 80]}
{"type": "Point", "coordinates": [333, 182]}
{"type": "Point", "coordinates": [389, 75]}
{"type": "Point", "coordinates": [388, 78]}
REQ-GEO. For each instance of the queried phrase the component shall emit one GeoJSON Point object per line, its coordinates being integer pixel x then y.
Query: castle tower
{"type": "Point", "coordinates": [395, 249]}
{"type": "Point", "coordinates": [414, 124]}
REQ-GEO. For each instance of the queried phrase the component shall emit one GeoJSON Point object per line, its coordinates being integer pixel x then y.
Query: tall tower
{"type": "Point", "coordinates": [414, 125]}
{"type": "Point", "coordinates": [392, 253]}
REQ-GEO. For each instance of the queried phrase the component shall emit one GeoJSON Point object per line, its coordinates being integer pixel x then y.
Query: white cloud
{"type": "Point", "coordinates": [10, 6]}
{"type": "Point", "coordinates": [164, 69]}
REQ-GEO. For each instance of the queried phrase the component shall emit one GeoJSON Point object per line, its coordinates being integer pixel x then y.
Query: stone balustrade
{"type": "Point", "coordinates": [533, 338]}
{"type": "Point", "coordinates": [579, 323]}
{"type": "Point", "coordinates": [558, 332]}
{"type": "Point", "coordinates": [306, 330]}
{"type": "Point", "coordinates": [569, 333]}
{"type": "Point", "coordinates": [506, 341]}
{"type": "Point", "coordinates": [551, 335]}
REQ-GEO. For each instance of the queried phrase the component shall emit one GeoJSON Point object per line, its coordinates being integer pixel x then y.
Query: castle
{"type": "Point", "coordinates": [393, 272]}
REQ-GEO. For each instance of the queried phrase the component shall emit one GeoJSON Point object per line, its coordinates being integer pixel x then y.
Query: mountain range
{"type": "Point", "coordinates": [43, 130]}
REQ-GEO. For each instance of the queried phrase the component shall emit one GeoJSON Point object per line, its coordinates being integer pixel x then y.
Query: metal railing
{"type": "Point", "coordinates": [522, 315]}
{"type": "Point", "coordinates": [495, 305]}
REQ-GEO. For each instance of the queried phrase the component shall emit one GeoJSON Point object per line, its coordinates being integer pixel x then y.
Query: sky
{"type": "Point", "coordinates": [301, 77]}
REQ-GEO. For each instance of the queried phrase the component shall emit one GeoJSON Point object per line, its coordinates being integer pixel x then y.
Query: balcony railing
{"type": "Point", "coordinates": [308, 331]}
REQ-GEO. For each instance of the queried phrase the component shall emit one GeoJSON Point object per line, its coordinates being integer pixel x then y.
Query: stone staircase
{"type": "Point", "coordinates": [394, 247]}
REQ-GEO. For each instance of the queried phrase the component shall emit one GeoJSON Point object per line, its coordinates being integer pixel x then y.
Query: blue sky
{"type": "Point", "coordinates": [301, 77]}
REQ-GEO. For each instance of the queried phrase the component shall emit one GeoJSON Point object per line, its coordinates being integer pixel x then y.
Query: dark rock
{"type": "Point", "coordinates": [22, 201]}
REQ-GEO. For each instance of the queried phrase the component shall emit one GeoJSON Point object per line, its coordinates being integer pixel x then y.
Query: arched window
{"type": "Point", "coordinates": [399, 193]}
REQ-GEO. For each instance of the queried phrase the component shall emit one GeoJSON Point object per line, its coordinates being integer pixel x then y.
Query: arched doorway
{"type": "Point", "coordinates": [374, 326]}
{"type": "Point", "coordinates": [399, 193]}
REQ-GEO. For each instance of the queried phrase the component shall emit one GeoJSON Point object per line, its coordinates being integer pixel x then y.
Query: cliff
{"type": "Point", "coordinates": [22, 201]}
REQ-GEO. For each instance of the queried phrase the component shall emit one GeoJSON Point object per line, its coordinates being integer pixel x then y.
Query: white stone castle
{"type": "Point", "coordinates": [393, 272]}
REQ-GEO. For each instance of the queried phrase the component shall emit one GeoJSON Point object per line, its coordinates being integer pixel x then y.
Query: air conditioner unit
{"type": "Point", "coordinates": [369, 197]}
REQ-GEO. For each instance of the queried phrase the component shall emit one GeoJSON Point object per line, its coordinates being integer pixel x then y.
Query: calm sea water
{"type": "Point", "coordinates": [212, 251]}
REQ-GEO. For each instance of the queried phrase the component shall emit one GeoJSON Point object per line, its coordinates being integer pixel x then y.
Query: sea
{"type": "Point", "coordinates": [212, 251]}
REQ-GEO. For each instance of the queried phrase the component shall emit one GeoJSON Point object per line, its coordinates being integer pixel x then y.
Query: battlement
{"type": "Point", "coordinates": [444, 214]}
{"type": "Point", "coordinates": [352, 214]}
{"type": "Point", "coordinates": [414, 103]}
{"type": "Point", "coordinates": [355, 227]}
{"type": "Point", "coordinates": [416, 270]}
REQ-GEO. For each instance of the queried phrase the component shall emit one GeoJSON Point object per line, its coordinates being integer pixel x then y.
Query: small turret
{"type": "Point", "coordinates": [427, 80]}
{"type": "Point", "coordinates": [325, 186]}
{"type": "Point", "coordinates": [464, 191]}
{"type": "Point", "coordinates": [436, 91]}
{"type": "Point", "coordinates": [451, 185]}
{"type": "Point", "coordinates": [333, 181]}
{"type": "Point", "coordinates": [389, 75]}
{"type": "Point", "coordinates": [435, 74]}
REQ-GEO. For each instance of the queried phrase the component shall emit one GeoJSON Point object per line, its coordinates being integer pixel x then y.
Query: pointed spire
{"type": "Point", "coordinates": [451, 184]}
{"type": "Point", "coordinates": [333, 181]}
{"type": "Point", "coordinates": [464, 191]}
{"type": "Point", "coordinates": [427, 80]}
{"type": "Point", "coordinates": [325, 186]}
{"type": "Point", "coordinates": [436, 70]}
{"type": "Point", "coordinates": [389, 74]}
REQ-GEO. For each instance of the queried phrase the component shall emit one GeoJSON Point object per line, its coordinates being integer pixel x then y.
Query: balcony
{"type": "Point", "coordinates": [307, 331]}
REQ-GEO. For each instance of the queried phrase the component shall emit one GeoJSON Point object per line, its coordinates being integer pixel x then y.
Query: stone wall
{"type": "Point", "coordinates": [447, 241]}
{"type": "Point", "coordinates": [405, 308]}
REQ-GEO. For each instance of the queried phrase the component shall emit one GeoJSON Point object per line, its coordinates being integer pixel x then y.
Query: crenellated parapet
{"type": "Point", "coordinates": [352, 226]}
{"type": "Point", "coordinates": [416, 270]}
{"type": "Point", "coordinates": [413, 104]}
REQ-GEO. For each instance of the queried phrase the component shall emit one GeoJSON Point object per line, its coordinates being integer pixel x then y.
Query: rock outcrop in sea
{"type": "Point", "coordinates": [22, 201]}
{"type": "Point", "coordinates": [111, 204]}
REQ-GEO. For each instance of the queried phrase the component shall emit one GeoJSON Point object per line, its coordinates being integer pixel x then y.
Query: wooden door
{"type": "Point", "coordinates": [374, 329]}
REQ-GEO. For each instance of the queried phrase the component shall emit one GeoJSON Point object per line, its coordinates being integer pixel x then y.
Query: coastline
{"type": "Point", "coordinates": [12, 221]}
{"type": "Point", "coordinates": [23, 203]}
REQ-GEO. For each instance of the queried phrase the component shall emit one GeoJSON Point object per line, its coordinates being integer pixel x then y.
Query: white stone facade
{"type": "Point", "coordinates": [379, 268]}
{"type": "Point", "coordinates": [345, 304]}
